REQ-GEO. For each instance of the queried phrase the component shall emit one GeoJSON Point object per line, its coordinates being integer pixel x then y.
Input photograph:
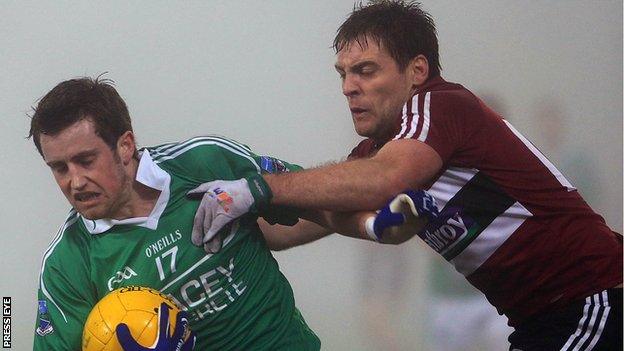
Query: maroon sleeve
{"type": "Point", "coordinates": [364, 149]}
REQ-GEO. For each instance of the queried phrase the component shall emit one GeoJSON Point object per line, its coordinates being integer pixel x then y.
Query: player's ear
{"type": "Point", "coordinates": [418, 69]}
{"type": "Point", "coordinates": [126, 147]}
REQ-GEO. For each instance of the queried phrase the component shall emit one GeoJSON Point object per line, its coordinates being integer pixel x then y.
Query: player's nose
{"type": "Point", "coordinates": [349, 86]}
{"type": "Point", "coordinates": [77, 180]}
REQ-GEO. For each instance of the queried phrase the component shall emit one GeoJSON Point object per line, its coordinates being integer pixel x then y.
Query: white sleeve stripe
{"type": "Point", "coordinates": [209, 142]}
{"type": "Point", "coordinates": [545, 161]}
{"type": "Point", "coordinates": [47, 254]}
{"type": "Point", "coordinates": [170, 149]}
{"type": "Point", "coordinates": [426, 118]}
{"type": "Point", "coordinates": [225, 140]}
{"type": "Point", "coordinates": [173, 148]}
{"type": "Point", "coordinates": [164, 147]}
{"type": "Point", "coordinates": [403, 122]}
{"type": "Point", "coordinates": [415, 119]}
{"type": "Point", "coordinates": [406, 117]}
{"type": "Point", "coordinates": [71, 218]}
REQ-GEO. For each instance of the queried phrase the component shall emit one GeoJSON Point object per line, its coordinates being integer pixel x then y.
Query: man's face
{"type": "Point", "coordinates": [89, 173]}
{"type": "Point", "coordinates": [375, 88]}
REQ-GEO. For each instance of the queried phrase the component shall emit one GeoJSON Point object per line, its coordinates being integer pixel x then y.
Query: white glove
{"type": "Point", "coordinates": [222, 201]}
{"type": "Point", "coordinates": [403, 217]}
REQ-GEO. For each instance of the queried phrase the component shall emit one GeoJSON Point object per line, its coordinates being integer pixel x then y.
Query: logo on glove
{"type": "Point", "coordinates": [223, 198]}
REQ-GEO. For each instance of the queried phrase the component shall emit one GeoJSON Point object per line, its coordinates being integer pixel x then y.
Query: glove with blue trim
{"type": "Point", "coordinates": [164, 341]}
{"type": "Point", "coordinates": [403, 217]}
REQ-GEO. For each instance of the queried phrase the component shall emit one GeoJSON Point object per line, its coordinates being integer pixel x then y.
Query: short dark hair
{"type": "Point", "coordinates": [403, 27]}
{"type": "Point", "coordinates": [81, 98]}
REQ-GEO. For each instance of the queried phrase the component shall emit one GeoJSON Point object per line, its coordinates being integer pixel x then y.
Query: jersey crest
{"type": "Point", "coordinates": [272, 165]}
{"type": "Point", "coordinates": [44, 327]}
{"type": "Point", "coordinates": [124, 274]}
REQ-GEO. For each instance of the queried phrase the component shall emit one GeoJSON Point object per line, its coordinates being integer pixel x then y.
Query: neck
{"type": "Point", "coordinates": [140, 199]}
{"type": "Point", "coordinates": [143, 199]}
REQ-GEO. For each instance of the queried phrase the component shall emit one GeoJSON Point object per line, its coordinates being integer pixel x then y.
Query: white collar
{"type": "Point", "coordinates": [149, 174]}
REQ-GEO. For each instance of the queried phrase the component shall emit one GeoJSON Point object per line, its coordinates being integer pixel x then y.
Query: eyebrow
{"type": "Point", "coordinates": [82, 154]}
{"type": "Point", "coordinates": [357, 66]}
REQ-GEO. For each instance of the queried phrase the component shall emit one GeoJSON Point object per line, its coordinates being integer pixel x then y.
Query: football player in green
{"type": "Point", "coordinates": [131, 224]}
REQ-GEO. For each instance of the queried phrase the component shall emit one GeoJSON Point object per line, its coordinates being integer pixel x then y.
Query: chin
{"type": "Point", "coordinates": [363, 130]}
{"type": "Point", "coordinates": [91, 214]}
{"type": "Point", "coordinates": [368, 133]}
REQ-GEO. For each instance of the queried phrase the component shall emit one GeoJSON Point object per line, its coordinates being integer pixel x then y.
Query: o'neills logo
{"type": "Point", "coordinates": [444, 233]}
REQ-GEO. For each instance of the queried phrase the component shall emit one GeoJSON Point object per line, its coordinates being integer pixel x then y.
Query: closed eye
{"type": "Point", "coordinates": [58, 167]}
{"type": "Point", "coordinates": [85, 162]}
{"type": "Point", "coordinates": [365, 68]}
{"type": "Point", "coordinates": [341, 72]}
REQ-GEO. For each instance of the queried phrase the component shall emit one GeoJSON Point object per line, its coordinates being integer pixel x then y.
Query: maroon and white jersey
{"type": "Point", "coordinates": [510, 221]}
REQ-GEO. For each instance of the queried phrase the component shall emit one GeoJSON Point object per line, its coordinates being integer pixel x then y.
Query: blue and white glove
{"type": "Point", "coordinates": [403, 216]}
{"type": "Point", "coordinates": [164, 341]}
{"type": "Point", "coordinates": [223, 201]}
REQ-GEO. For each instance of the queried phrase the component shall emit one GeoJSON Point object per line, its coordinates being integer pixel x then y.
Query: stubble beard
{"type": "Point", "coordinates": [113, 208]}
{"type": "Point", "coordinates": [122, 198]}
{"type": "Point", "coordinates": [380, 130]}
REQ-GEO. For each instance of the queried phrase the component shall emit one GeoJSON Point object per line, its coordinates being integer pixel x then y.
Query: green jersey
{"type": "Point", "coordinates": [237, 299]}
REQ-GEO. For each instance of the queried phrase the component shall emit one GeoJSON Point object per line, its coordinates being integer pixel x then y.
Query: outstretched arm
{"type": "Point", "coordinates": [317, 225]}
{"type": "Point", "coordinates": [362, 184]}
{"type": "Point", "coordinates": [403, 217]}
{"type": "Point", "coordinates": [281, 237]}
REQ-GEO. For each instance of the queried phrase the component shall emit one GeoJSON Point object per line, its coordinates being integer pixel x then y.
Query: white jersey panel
{"type": "Point", "coordinates": [490, 239]}
{"type": "Point", "coordinates": [454, 234]}
{"type": "Point", "coordinates": [450, 183]}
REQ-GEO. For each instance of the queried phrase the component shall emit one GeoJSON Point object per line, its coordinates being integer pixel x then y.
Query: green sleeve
{"type": "Point", "coordinates": [64, 299]}
{"type": "Point", "coordinates": [207, 158]}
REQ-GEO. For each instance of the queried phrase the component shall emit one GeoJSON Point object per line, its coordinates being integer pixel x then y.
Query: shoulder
{"type": "Point", "coordinates": [447, 117]}
{"type": "Point", "coordinates": [67, 246]}
{"type": "Point", "coordinates": [448, 105]}
{"type": "Point", "coordinates": [447, 97]}
{"type": "Point", "coordinates": [201, 150]}
{"type": "Point", "coordinates": [204, 157]}
{"type": "Point", "coordinates": [202, 146]}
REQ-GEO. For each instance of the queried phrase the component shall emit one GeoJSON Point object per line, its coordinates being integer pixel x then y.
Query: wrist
{"type": "Point", "coordinates": [369, 228]}
{"type": "Point", "coordinates": [260, 191]}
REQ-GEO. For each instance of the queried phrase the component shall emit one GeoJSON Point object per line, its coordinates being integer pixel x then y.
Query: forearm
{"type": "Point", "coordinates": [405, 216]}
{"type": "Point", "coordinates": [350, 224]}
{"type": "Point", "coordinates": [281, 237]}
{"type": "Point", "coordinates": [363, 184]}
{"type": "Point", "coordinates": [316, 225]}
{"type": "Point", "coordinates": [347, 186]}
